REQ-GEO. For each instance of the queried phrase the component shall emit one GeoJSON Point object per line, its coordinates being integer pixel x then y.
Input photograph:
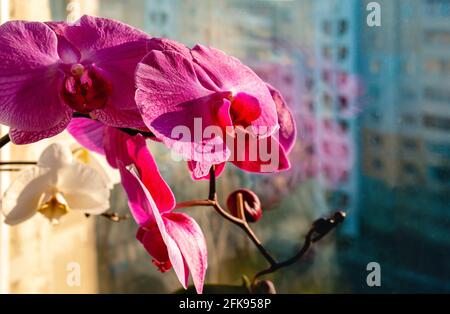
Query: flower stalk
{"type": "Point", "coordinates": [317, 231]}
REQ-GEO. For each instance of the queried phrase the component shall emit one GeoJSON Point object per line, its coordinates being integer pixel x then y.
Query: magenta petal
{"type": "Point", "coordinates": [150, 175]}
{"type": "Point", "coordinates": [89, 133]}
{"type": "Point", "coordinates": [264, 155]}
{"type": "Point", "coordinates": [118, 64]}
{"type": "Point", "coordinates": [224, 114]}
{"type": "Point", "coordinates": [191, 241]}
{"type": "Point", "coordinates": [92, 34]}
{"type": "Point", "coordinates": [171, 99]}
{"type": "Point", "coordinates": [116, 148]}
{"type": "Point", "coordinates": [164, 44]}
{"type": "Point", "coordinates": [27, 137]}
{"type": "Point", "coordinates": [229, 74]}
{"type": "Point", "coordinates": [67, 51]}
{"type": "Point", "coordinates": [193, 165]}
{"type": "Point", "coordinates": [119, 118]}
{"type": "Point", "coordinates": [146, 213]}
{"type": "Point", "coordinates": [151, 239]}
{"type": "Point", "coordinates": [137, 200]}
{"type": "Point", "coordinates": [288, 130]}
{"type": "Point", "coordinates": [246, 109]}
{"type": "Point", "coordinates": [30, 78]}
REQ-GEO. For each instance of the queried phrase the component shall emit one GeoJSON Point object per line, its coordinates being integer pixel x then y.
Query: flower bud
{"type": "Point", "coordinates": [263, 287]}
{"type": "Point", "coordinates": [251, 204]}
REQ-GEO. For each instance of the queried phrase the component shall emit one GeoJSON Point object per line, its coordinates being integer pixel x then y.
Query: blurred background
{"type": "Point", "coordinates": [372, 110]}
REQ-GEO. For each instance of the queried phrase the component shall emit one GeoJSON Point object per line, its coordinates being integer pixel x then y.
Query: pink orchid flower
{"type": "Point", "coordinates": [283, 140]}
{"type": "Point", "coordinates": [50, 70]}
{"type": "Point", "coordinates": [172, 239]}
{"type": "Point", "coordinates": [177, 85]}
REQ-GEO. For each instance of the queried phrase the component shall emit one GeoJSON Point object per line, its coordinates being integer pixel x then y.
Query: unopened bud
{"type": "Point", "coordinates": [250, 202]}
{"type": "Point", "coordinates": [263, 287]}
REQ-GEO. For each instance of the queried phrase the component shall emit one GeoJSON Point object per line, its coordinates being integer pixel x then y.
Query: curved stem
{"type": "Point", "coordinates": [242, 223]}
{"type": "Point", "coordinates": [290, 261]}
{"type": "Point", "coordinates": [5, 139]}
{"type": "Point", "coordinates": [129, 131]}
{"type": "Point", "coordinates": [115, 217]}
{"type": "Point", "coordinates": [194, 203]}
{"type": "Point", "coordinates": [17, 163]}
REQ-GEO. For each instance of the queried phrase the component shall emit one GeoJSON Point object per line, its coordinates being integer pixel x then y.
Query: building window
{"type": "Point", "coordinates": [377, 164]}
{"type": "Point", "coordinates": [343, 102]}
{"type": "Point", "coordinates": [340, 199]}
{"type": "Point", "coordinates": [327, 100]}
{"type": "Point", "coordinates": [437, 94]}
{"type": "Point", "coordinates": [442, 149]}
{"type": "Point", "coordinates": [326, 76]}
{"type": "Point", "coordinates": [376, 140]}
{"type": "Point", "coordinates": [327, 27]}
{"type": "Point", "coordinates": [408, 67]}
{"type": "Point", "coordinates": [434, 122]}
{"type": "Point", "coordinates": [375, 116]}
{"type": "Point", "coordinates": [440, 174]}
{"type": "Point", "coordinates": [326, 52]}
{"type": "Point", "coordinates": [437, 37]}
{"type": "Point", "coordinates": [410, 144]}
{"type": "Point", "coordinates": [408, 119]}
{"type": "Point", "coordinates": [408, 93]}
{"type": "Point", "coordinates": [342, 53]}
{"type": "Point", "coordinates": [409, 169]}
{"type": "Point", "coordinates": [375, 67]}
{"type": "Point", "coordinates": [343, 125]}
{"type": "Point", "coordinates": [342, 27]}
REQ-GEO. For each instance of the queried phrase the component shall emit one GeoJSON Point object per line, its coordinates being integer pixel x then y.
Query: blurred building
{"type": "Point", "coordinates": [336, 103]}
{"type": "Point", "coordinates": [405, 145]}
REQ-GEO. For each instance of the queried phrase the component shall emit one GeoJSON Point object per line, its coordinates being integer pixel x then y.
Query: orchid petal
{"type": "Point", "coordinates": [288, 130]}
{"type": "Point", "coordinates": [89, 133]}
{"type": "Point", "coordinates": [92, 34]}
{"type": "Point", "coordinates": [149, 173]}
{"type": "Point", "coordinates": [118, 64]}
{"type": "Point", "coordinates": [66, 51]}
{"type": "Point", "coordinates": [247, 159]}
{"type": "Point", "coordinates": [192, 166]}
{"type": "Point", "coordinates": [170, 97]}
{"type": "Point", "coordinates": [83, 188]}
{"type": "Point", "coordinates": [114, 49]}
{"type": "Point", "coordinates": [110, 175]}
{"type": "Point", "coordinates": [115, 143]}
{"type": "Point", "coordinates": [230, 74]}
{"type": "Point", "coordinates": [20, 137]}
{"type": "Point", "coordinates": [137, 201]}
{"type": "Point", "coordinates": [54, 156]}
{"type": "Point", "coordinates": [191, 241]}
{"type": "Point", "coordinates": [30, 77]}
{"type": "Point", "coordinates": [21, 199]}
{"type": "Point", "coordinates": [151, 239]}
{"type": "Point", "coordinates": [119, 118]}
{"type": "Point", "coordinates": [164, 44]}
{"type": "Point", "coordinates": [146, 213]}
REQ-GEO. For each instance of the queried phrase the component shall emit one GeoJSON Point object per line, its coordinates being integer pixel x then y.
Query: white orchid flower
{"type": "Point", "coordinates": [56, 185]}
{"type": "Point", "coordinates": [97, 162]}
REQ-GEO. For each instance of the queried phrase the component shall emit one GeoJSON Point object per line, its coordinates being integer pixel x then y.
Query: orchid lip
{"type": "Point", "coordinates": [85, 89]}
{"type": "Point", "coordinates": [53, 207]}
